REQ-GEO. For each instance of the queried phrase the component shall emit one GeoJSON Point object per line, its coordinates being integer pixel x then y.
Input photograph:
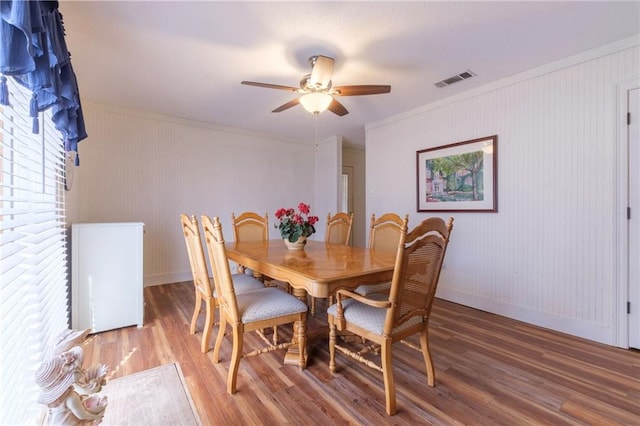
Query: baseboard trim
{"type": "Point", "coordinates": [574, 327]}
{"type": "Point", "coordinates": [169, 278]}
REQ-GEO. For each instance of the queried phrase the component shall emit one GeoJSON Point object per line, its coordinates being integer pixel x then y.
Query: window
{"type": "Point", "coordinates": [33, 253]}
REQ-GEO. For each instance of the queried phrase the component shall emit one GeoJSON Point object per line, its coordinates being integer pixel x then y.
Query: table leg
{"type": "Point", "coordinates": [300, 293]}
{"type": "Point", "coordinates": [292, 357]}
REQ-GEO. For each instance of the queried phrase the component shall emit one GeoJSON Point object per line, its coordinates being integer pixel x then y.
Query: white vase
{"type": "Point", "coordinates": [297, 245]}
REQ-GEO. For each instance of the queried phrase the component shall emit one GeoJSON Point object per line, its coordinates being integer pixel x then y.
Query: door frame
{"type": "Point", "coordinates": [622, 227]}
{"type": "Point", "coordinates": [350, 208]}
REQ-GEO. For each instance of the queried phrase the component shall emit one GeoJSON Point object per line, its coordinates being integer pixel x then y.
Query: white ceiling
{"type": "Point", "coordinates": [187, 59]}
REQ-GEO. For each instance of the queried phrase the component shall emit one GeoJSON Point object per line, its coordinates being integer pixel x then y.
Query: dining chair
{"type": "Point", "coordinates": [204, 291]}
{"type": "Point", "coordinates": [404, 313]}
{"type": "Point", "coordinates": [338, 231]}
{"type": "Point", "coordinates": [254, 310]}
{"type": "Point", "coordinates": [339, 228]}
{"type": "Point", "coordinates": [250, 226]}
{"type": "Point", "coordinates": [384, 236]}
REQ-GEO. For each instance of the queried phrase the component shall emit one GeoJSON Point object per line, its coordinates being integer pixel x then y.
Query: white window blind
{"type": "Point", "coordinates": [33, 254]}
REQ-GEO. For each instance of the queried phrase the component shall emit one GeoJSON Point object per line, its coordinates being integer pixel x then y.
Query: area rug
{"type": "Point", "coordinates": [157, 396]}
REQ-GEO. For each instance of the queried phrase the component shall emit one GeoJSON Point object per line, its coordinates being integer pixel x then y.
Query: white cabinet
{"type": "Point", "coordinates": [106, 275]}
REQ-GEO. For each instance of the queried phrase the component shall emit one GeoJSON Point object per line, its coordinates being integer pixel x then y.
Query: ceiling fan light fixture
{"type": "Point", "coordinates": [316, 102]}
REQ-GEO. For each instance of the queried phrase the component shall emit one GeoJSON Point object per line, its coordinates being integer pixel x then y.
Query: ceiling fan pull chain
{"type": "Point", "coordinates": [316, 146]}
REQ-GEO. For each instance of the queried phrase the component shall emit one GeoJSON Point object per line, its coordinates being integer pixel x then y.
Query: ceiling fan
{"type": "Point", "coordinates": [317, 91]}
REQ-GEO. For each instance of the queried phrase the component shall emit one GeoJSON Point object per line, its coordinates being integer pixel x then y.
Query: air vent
{"type": "Point", "coordinates": [456, 78]}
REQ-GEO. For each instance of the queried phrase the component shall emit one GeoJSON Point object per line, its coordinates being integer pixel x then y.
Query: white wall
{"type": "Point", "coordinates": [549, 255]}
{"type": "Point", "coordinates": [137, 167]}
{"type": "Point", "coordinates": [328, 160]}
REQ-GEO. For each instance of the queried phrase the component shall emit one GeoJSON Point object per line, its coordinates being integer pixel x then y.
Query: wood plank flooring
{"type": "Point", "coordinates": [490, 370]}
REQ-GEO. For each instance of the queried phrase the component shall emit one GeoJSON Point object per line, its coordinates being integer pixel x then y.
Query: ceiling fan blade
{"type": "Point", "coordinates": [366, 89]}
{"type": "Point", "coordinates": [337, 108]}
{"type": "Point", "coordinates": [288, 105]}
{"type": "Point", "coordinates": [270, 86]}
{"type": "Point", "coordinates": [321, 71]}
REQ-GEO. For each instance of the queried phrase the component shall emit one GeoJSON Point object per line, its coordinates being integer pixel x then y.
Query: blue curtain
{"type": "Point", "coordinates": [34, 52]}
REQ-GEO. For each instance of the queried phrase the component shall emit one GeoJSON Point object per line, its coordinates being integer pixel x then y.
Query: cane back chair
{"type": "Point", "coordinates": [406, 311]}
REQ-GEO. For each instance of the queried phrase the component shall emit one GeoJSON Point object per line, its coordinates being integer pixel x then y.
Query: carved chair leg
{"type": "Point", "coordinates": [216, 348]}
{"type": "Point", "coordinates": [313, 306]}
{"type": "Point", "coordinates": [387, 373]}
{"type": "Point", "coordinates": [208, 325]}
{"type": "Point", "coordinates": [196, 313]}
{"type": "Point", "coordinates": [332, 348]}
{"type": "Point", "coordinates": [275, 335]}
{"type": "Point", "coordinates": [236, 354]}
{"type": "Point", "coordinates": [426, 353]}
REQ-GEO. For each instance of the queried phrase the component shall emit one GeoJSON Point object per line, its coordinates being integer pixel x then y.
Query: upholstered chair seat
{"type": "Point", "coordinates": [267, 303]}
{"type": "Point", "coordinates": [369, 289]}
{"type": "Point", "coordinates": [367, 317]}
{"type": "Point", "coordinates": [243, 283]}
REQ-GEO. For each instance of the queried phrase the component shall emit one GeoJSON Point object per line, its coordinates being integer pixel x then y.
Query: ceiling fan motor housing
{"type": "Point", "coordinates": [321, 71]}
{"type": "Point", "coordinates": [317, 91]}
{"type": "Point", "coordinates": [307, 86]}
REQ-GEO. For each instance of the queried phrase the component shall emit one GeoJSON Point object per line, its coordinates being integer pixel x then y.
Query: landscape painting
{"type": "Point", "coordinates": [458, 177]}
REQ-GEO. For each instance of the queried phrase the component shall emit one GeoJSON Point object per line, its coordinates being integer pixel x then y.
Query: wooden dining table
{"type": "Point", "coordinates": [318, 270]}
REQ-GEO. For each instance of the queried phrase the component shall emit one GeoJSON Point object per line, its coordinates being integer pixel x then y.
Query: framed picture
{"type": "Point", "coordinates": [459, 177]}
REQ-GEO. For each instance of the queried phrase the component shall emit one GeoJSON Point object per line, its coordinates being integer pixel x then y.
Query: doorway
{"type": "Point", "coordinates": [347, 193]}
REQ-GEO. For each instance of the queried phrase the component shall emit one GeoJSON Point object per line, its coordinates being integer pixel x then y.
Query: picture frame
{"type": "Point", "coordinates": [459, 177]}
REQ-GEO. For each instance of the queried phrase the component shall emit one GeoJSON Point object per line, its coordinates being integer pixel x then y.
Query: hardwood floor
{"type": "Point", "coordinates": [490, 370]}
